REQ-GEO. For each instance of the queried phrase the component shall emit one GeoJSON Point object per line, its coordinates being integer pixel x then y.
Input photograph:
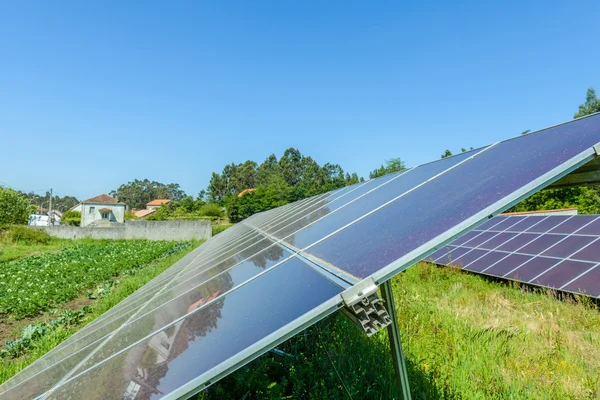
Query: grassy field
{"type": "Point", "coordinates": [464, 337]}
{"type": "Point", "coordinates": [74, 282]}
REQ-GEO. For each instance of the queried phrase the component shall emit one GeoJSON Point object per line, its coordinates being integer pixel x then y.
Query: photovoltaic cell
{"type": "Point", "coordinates": [252, 286]}
{"type": "Point", "coordinates": [563, 248]}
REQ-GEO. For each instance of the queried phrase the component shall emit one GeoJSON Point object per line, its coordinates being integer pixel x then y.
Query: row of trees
{"type": "Point", "coordinates": [275, 182]}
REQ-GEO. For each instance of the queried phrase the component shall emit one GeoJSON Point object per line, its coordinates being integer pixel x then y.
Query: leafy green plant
{"type": "Point", "coordinates": [71, 218]}
{"type": "Point", "coordinates": [211, 210]}
{"type": "Point", "coordinates": [40, 282]}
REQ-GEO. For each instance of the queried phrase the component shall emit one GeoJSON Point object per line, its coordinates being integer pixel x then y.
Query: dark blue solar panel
{"type": "Point", "coordinates": [507, 223]}
{"type": "Point", "coordinates": [532, 268]}
{"type": "Point", "coordinates": [486, 261]}
{"type": "Point", "coordinates": [541, 244]}
{"type": "Point", "coordinates": [574, 224]}
{"type": "Point", "coordinates": [591, 229]}
{"type": "Point", "coordinates": [518, 241]}
{"type": "Point", "coordinates": [589, 253]}
{"type": "Point", "coordinates": [477, 240]}
{"type": "Point", "coordinates": [497, 240]}
{"type": "Point", "coordinates": [562, 273]}
{"type": "Point", "coordinates": [568, 246]}
{"type": "Point", "coordinates": [589, 283]}
{"type": "Point", "coordinates": [507, 264]}
{"type": "Point", "coordinates": [547, 224]}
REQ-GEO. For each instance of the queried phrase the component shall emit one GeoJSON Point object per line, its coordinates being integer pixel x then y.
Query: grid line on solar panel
{"type": "Point", "coordinates": [533, 261]}
{"type": "Point", "coordinates": [464, 266]}
{"type": "Point", "coordinates": [514, 239]}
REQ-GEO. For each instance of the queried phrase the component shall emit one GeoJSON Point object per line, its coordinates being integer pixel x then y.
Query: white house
{"type": "Point", "coordinates": [101, 210]}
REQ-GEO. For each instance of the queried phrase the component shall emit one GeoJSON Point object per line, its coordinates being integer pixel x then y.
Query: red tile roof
{"type": "Point", "coordinates": [158, 202]}
{"type": "Point", "coordinates": [243, 192]}
{"type": "Point", "coordinates": [102, 199]}
{"type": "Point", "coordinates": [143, 213]}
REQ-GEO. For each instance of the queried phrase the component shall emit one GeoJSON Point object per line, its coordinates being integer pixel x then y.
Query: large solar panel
{"type": "Point", "coordinates": [559, 252]}
{"type": "Point", "coordinates": [267, 278]}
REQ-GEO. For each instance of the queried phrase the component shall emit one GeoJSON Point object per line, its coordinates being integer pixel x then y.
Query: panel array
{"type": "Point", "coordinates": [267, 278]}
{"type": "Point", "coordinates": [559, 252]}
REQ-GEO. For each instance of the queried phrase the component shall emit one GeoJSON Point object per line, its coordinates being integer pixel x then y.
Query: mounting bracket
{"type": "Point", "coordinates": [365, 308]}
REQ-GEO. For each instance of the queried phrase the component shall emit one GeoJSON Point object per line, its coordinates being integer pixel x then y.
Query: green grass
{"type": "Point", "coordinates": [464, 337]}
{"type": "Point", "coordinates": [126, 286]}
{"type": "Point", "coordinates": [216, 229]}
{"type": "Point", "coordinates": [17, 242]}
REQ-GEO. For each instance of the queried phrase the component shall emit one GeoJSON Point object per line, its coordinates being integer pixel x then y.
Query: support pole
{"type": "Point", "coordinates": [395, 342]}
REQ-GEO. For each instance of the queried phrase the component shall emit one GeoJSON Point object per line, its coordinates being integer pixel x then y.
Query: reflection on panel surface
{"type": "Point", "coordinates": [216, 331]}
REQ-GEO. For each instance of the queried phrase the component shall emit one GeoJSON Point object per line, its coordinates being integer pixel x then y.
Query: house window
{"type": "Point", "coordinates": [92, 209]}
{"type": "Point", "coordinates": [104, 215]}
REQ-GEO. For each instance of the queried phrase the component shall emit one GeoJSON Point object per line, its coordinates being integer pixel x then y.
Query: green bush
{"type": "Point", "coordinates": [71, 218]}
{"type": "Point", "coordinates": [211, 210]}
{"type": "Point", "coordinates": [130, 215]}
{"type": "Point", "coordinates": [14, 207]}
{"type": "Point", "coordinates": [24, 235]}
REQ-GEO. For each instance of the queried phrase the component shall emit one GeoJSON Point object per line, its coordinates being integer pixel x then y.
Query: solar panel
{"type": "Point", "coordinates": [269, 277]}
{"type": "Point", "coordinates": [560, 252]}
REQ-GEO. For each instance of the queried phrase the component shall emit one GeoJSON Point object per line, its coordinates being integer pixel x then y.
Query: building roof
{"type": "Point", "coordinates": [143, 213]}
{"type": "Point", "coordinates": [102, 199]}
{"type": "Point", "coordinates": [243, 192]}
{"type": "Point", "coordinates": [158, 202]}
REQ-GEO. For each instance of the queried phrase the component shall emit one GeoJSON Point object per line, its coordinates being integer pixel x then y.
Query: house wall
{"type": "Point", "coordinates": [151, 230]}
{"type": "Point", "coordinates": [88, 216]}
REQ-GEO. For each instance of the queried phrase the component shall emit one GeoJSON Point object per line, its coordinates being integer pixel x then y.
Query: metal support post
{"type": "Point", "coordinates": [395, 342]}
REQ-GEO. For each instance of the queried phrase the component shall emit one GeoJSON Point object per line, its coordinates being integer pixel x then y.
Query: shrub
{"type": "Point", "coordinates": [24, 235]}
{"type": "Point", "coordinates": [130, 215]}
{"type": "Point", "coordinates": [211, 210]}
{"type": "Point", "coordinates": [71, 218]}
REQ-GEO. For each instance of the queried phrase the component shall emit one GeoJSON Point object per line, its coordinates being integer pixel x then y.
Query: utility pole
{"type": "Point", "coordinates": [50, 217]}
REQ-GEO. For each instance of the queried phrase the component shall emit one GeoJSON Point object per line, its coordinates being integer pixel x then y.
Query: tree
{"type": "Point", "coordinates": [138, 193]}
{"type": "Point", "coordinates": [58, 203]}
{"type": "Point", "coordinates": [15, 208]}
{"type": "Point", "coordinates": [591, 105]}
{"type": "Point", "coordinates": [391, 165]}
{"type": "Point", "coordinates": [447, 154]}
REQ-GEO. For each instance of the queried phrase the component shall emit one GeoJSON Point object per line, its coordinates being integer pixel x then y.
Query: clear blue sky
{"type": "Point", "coordinates": [95, 94]}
